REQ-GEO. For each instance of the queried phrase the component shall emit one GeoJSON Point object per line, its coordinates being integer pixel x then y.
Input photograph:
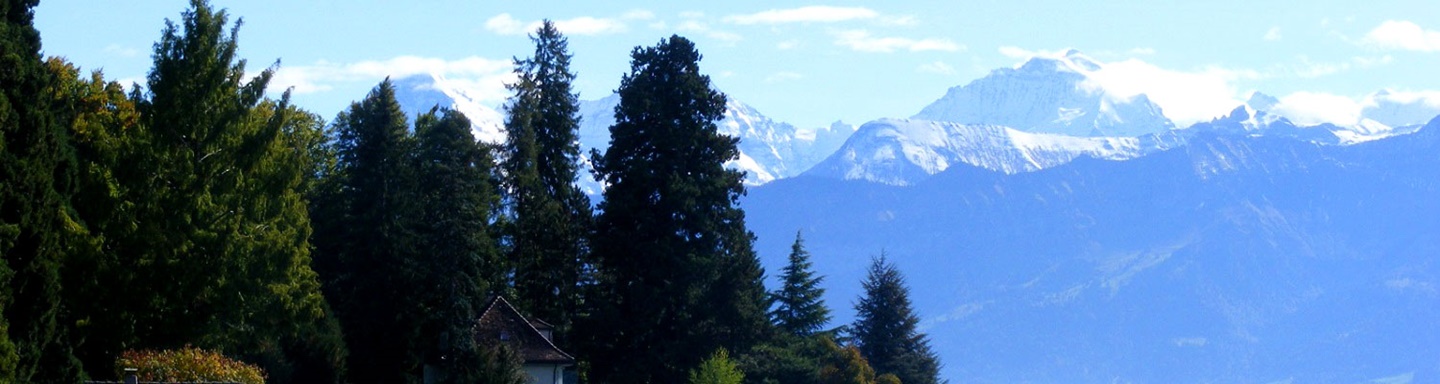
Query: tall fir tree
{"type": "Point", "coordinates": [799, 304]}
{"type": "Point", "coordinates": [678, 276]}
{"type": "Point", "coordinates": [213, 243]}
{"type": "Point", "coordinates": [36, 166]}
{"type": "Point", "coordinates": [368, 250]}
{"type": "Point", "coordinates": [885, 328]}
{"type": "Point", "coordinates": [458, 257]}
{"type": "Point", "coordinates": [548, 232]}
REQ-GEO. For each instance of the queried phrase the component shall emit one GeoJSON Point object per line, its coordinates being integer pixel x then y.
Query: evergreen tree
{"type": "Point", "coordinates": [800, 309]}
{"type": "Point", "coordinates": [885, 328]}
{"type": "Point", "coordinates": [458, 255]}
{"type": "Point", "coordinates": [551, 216]}
{"type": "Point", "coordinates": [369, 242]}
{"type": "Point", "coordinates": [678, 276]}
{"type": "Point", "coordinates": [36, 164]}
{"type": "Point", "coordinates": [213, 243]}
{"type": "Point", "coordinates": [99, 116]}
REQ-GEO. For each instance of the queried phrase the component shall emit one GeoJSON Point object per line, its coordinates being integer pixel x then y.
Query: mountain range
{"type": "Point", "coordinates": [1053, 231]}
{"type": "Point", "coordinates": [769, 150]}
{"type": "Point", "coordinates": [1232, 258]}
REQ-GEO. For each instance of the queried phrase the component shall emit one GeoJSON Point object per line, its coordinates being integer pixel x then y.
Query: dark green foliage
{"type": "Point", "coordinates": [100, 119]}
{"type": "Point", "coordinates": [885, 328]}
{"type": "Point", "coordinates": [36, 169]}
{"type": "Point", "coordinates": [551, 216]}
{"type": "Point", "coordinates": [368, 252]}
{"type": "Point", "coordinates": [799, 306]}
{"type": "Point", "coordinates": [202, 236]}
{"type": "Point", "coordinates": [408, 248]}
{"type": "Point", "coordinates": [457, 257]}
{"type": "Point", "coordinates": [786, 360]}
{"type": "Point", "coordinates": [678, 276]}
{"type": "Point", "coordinates": [799, 351]}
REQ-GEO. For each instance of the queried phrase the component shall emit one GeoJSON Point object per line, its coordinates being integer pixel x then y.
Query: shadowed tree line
{"type": "Point", "coordinates": [193, 210]}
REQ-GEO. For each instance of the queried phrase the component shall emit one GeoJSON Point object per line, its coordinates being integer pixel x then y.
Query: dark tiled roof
{"type": "Point", "coordinates": [500, 322]}
{"type": "Point", "coordinates": [540, 324]}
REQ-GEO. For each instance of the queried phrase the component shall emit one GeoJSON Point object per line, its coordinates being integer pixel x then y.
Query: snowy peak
{"type": "Point", "coordinates": [906, 151]}
{"type": "Point", "coordinates": [769, 149]}
{"type": "Point", "coordinates": [1256, 118]}
{"type": "Point", "coordinates": [1072, 61]}
{"type": "Point", "coordinates": [1049, 95]}
{"type": "Point", "coordinates": [418, 93]}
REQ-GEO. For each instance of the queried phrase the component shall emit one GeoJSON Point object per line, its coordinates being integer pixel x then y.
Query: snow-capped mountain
{"type": "Point", "coordinates": [1257, 118]}
{"type": "Point", "coordinates": [1049, 95]}
{"type": "Point", "coordinates": [418, 93]}
{"type": "Point", "coordinates": [1234, 258]}
{"type": "Point", "coordinates": [769, 149]}
{"type": "Point", "coordinates": [903, 152]}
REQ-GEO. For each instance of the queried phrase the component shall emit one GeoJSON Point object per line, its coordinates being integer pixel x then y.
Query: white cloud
{"type": "Point", "coordinates": [1025, 54]}
{"type": "Point", "coordinates": [638, 14]}
{"type": "Point", "coordinates": [705, 30]}
{"type": "Point", "coordinates": [1309, 69]}
{"type": "Point", "coordinates": [1403, 35]}
{"type": "Point", "coordinates": [1311, 108]}
{"type": "Point", "coordinates": [1273, 34]}
{"type": "Point", "coordinates": [118, 50]}
{"type": "Point", "coordinates": [1430, 98]}
{"type": "Point", "coordinates": [938, 67]}
{"type": "Point", "coordinates": [811, 14]}
{"type": "Point", "coordinates": [906, 20]}
{"type": "Point", "coordinates": [504, 24]}
{"type": "Point", "coordinates": [487, 76]}
{"type": "Point", "coordinates": [787, 44]}
{"type": "Point", "coordinates": [1186, 97]}
{"type": "Point", "coordinates": [862, 41]}
{"type": "Point", "coordinates": [783, 76]}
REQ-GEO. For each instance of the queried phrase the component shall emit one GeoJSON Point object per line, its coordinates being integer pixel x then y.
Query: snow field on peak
{"type": "Point", "coordinates": [905, 151]}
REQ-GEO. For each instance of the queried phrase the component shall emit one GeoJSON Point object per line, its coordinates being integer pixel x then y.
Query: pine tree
{"type": "Point", "coordinates": [885, 328]}
{"type": "Point", "coordinates": [678, 276]}
{"type": "Point", "coordinates": [800, 309]}
{"type": "Point", "coordinates": [367, 252]}
{"type": "Point", "coordinates": [458, 258]}
{"type": "Point", "coordinates": [36, 163]}
{"type": "Point", "coordinates": [551, 216]}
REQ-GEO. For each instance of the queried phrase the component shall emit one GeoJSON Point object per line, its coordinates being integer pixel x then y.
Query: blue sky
{"type": "Point", "coordinates": [814, 63]}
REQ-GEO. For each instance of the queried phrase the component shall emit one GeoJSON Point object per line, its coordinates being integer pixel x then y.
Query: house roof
{"type": "Point", "coordinates": [500, 322]}
{"type": "Point", "coordinates": [541, 324]}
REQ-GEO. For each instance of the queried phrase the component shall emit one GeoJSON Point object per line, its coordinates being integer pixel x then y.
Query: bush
{"type": "Point", "coordinates": [188, 364]}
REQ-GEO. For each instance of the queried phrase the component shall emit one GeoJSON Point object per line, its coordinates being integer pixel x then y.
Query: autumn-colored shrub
{"type": "Point", "coordinates": [188, 364]}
